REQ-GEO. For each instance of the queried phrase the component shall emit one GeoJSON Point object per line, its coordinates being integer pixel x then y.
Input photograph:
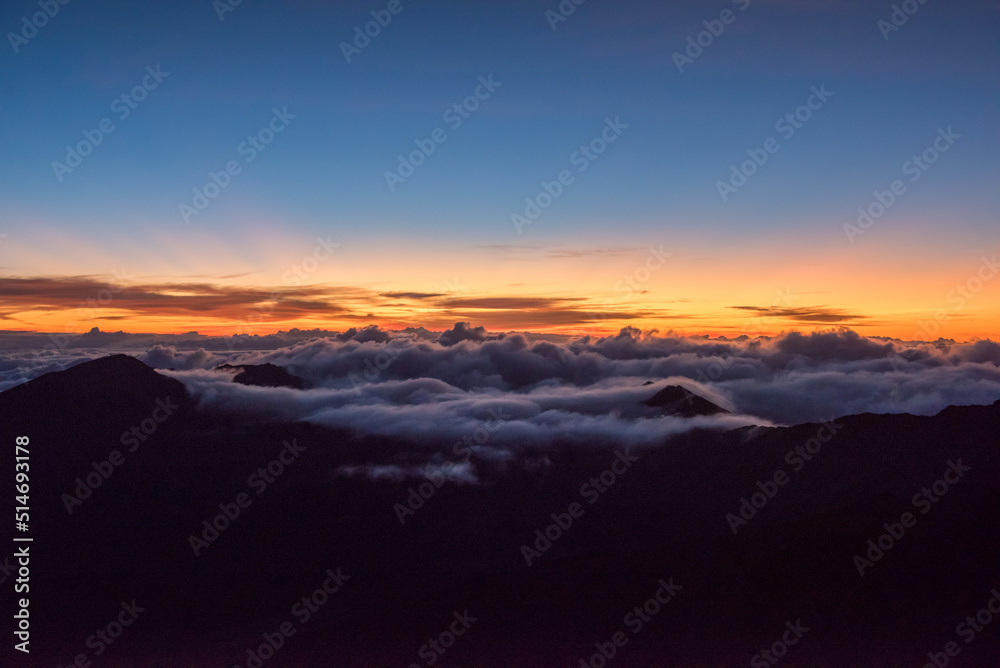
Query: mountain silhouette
{"type": "Point", "coordinates": [677, 400]}
{"type": "Point", "coordinates": [82, 410]}
{"type": "Point", "coordinates": [808, 499]}
{"type": "Point", "coordinates": [265, 375]}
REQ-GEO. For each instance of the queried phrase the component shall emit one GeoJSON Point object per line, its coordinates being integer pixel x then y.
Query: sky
{"type": "Point", "coordinates": [625, 132]}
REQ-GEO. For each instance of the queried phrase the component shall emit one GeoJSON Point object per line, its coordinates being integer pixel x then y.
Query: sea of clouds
{"type": "Point", "coordinates": [466, 382]}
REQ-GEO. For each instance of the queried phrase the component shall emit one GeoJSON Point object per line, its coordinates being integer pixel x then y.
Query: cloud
{"type": "Point", "coordinates": [412, 295]}
{"type": "Point", "coordinates": [814, 315]}
{"type": "Point", "coordinates": [167, 357]}
{"type": "Point", "coordinates": [979, 352]}
{"type": "Point", "coordinates": [509, 303]}
{"type": "Point", "coordinates": [370, 333]}
{"type": "Point", "coordinates": [442, 385]}
{"type": "Point", "coordinates": [462, 331]}
{"type": "Point", "coordinates": [844, 346]}
{"type": "Point", "coordinates": [447, 419]}
{"type": "Point", "coordinates": [17, 367]}
{"type": "Point", "coordinates": [85, 301]}
{"type": "Point", "coordinates": [25, 295]}
{"type": "Point", "coordinates": [461, 473]}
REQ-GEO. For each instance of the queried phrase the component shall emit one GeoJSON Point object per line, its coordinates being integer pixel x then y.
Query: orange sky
{"type": "Point", "coordinates": [715, 288]}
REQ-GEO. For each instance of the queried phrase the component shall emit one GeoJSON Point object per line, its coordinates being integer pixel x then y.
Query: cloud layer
{"type": "Point", "coordinates": [465, 398]}
{"type": "Point", "coordinates": [403, 381]}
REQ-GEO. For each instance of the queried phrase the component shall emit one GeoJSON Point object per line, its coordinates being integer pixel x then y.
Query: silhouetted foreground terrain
{"type": "Point", "coordinates": [130, 537]}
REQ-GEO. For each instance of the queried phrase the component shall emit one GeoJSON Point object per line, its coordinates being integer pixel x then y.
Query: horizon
{"type": "Point", "coordinates": [476, 333]}
{"type": "Point", "coordinates": [577, 333]}
{"type": "Point", "coordinates": [75, 304]}
{"type": "Point", "coordinates": [692, 168]}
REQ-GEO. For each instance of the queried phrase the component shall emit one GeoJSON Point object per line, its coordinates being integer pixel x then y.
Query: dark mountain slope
{"type": "Point", "coordinates": [679, 401]}
{"type": "Point", "coordinates": [666, 516]}
{"type": "Point", "coordinates": [265, 375]}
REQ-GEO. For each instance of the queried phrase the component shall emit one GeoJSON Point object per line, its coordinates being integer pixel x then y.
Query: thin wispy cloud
{"type": "Point", "coordinates": [814, 314]}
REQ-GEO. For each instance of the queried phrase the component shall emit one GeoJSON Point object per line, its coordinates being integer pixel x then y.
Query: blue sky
{"type": "Point", "coordinates": [607, 60]}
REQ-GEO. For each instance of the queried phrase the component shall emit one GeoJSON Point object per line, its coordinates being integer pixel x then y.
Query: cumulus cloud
{"type": "Point", "coordinates": [370, 333]}
{"type": "Point", "coordinates": [443, 385]}
{"type": "Point", "coordinates": [167, 357]}
{"type": "Point", "coordinates": [462, 331]}
{"type": "Point", "coordinates": [464, 402]}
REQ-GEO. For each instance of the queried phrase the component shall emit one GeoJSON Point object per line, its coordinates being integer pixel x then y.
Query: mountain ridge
{"type": "Point", "coordinates": [667, 515]}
